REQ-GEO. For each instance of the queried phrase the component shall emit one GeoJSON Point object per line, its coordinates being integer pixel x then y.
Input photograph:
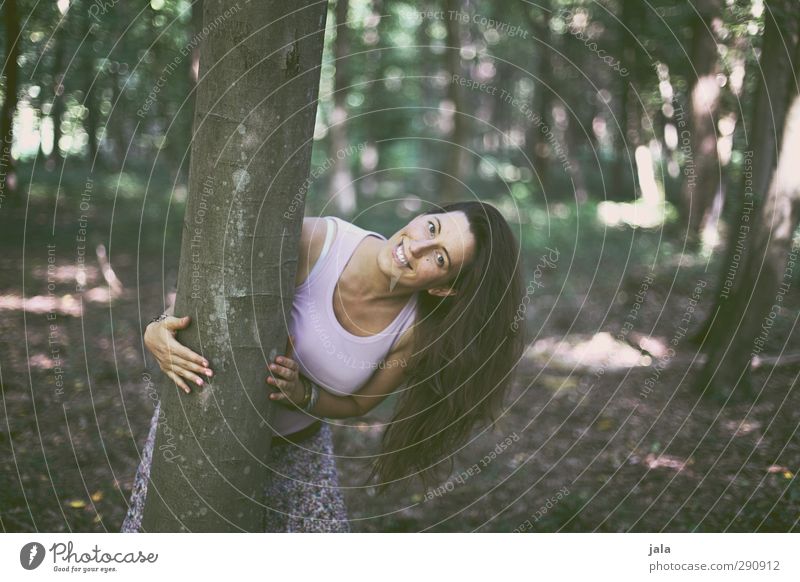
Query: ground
{"type": "Point", "coordinates": [597, 436]}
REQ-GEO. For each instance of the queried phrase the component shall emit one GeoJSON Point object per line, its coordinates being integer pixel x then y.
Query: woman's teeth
{"type": "Point", "coordinates": [400, 256]}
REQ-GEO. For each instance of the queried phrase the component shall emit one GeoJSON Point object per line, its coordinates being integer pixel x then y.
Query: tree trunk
{"type": "Point", "coordinates": [629, 107]}
{"type": "Point", "coordinates": [8, 180]}
{"type": "Point", "coordinates": [90, 80]}
{"type": "Point", "coordinates": [57, 106]}
{"type": "Point", "coordinates": [702, 169]}
{"type": "Point", "coordinates": [341, 188]}
{"type": "Point", "coordinates": [254, 121]}
{"type": "Point", "coordinates": [745, 320]}
{"type": "Point", "coordinates": [457, 157]}
{"type": "Point", "coordinates": [535, 142]}
{"type": "Point", "coordinates": [764, 134]}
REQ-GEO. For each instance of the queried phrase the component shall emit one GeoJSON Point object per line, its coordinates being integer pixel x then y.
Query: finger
{"type": "Point", "coordinates": [173, 323]}
{"type": "Point", "coordinates": [283, 371]}
{"type": "Point", "coordinates": [188, 374]}
{"type": "Point", "coordinates": [197, 368]}
{"type": "Point", "coordinates": [281, 384]}
{"type": "Point", "coordinates": [287, 362]}
{"type": "Point", "coordinates": [177, 348]}
{"type": "Point", "coordinates": [177, 380]}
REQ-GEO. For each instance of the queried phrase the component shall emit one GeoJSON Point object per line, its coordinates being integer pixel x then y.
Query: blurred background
{"type": "Point", "coordinates": [624, 141]}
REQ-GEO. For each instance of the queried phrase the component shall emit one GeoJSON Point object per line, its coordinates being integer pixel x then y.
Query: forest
{"type": "Point", "coordinates": [642, 152]}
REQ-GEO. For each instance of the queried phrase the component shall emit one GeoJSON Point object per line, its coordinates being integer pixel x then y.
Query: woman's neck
{"type": "Point", "coordinates": [363, 277]}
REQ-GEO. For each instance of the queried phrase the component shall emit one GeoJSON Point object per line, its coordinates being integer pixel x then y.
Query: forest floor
{"type": "Point", "coordinates": [597, 436]}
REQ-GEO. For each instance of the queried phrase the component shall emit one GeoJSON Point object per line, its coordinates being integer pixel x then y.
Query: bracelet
{"type": "Point", "coordinates": [158, 318]}
{"type": "Point", "coordinates": [307, 393]}
{"type": "Point", "coordinates": [309, 403]}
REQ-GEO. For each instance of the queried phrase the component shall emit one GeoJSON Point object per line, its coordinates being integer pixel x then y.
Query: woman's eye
{"type": "Point", "coordinates": [432, 228]}
{"type": "Point", "coordinates": [441, 263]}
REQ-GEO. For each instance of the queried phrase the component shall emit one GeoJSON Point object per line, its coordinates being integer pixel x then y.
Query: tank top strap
{"type": "Point", "coordinates": [348, 237]}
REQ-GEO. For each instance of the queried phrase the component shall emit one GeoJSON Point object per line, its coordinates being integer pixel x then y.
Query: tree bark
{"type": "Point", "coordinates": [90, 80]}
{"type": "Point", "coordinates": [254, 121]}
{"type": "Point", "coordinates": [11, 69]}
{"type": "Point", "coordinates": [57, 106]}
{"type": "Point", "coordinates": [745, 320]}
{"type": "Point", "coordinates": [764, 134]}
{"type": "Point", "coordinates": [702, 170]}
{"type": "Point", "coordinates": [457, 157]}
{"type": "Point", "coordinates": [535, 142]}
{"type": "Point", "coordinates": [629, 107]}
{"type": "Point", "coordinates": [341, 188]}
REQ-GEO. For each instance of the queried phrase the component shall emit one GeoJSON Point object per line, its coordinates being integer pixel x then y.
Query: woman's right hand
{"type": "Point", "coordinates": [175, 360]}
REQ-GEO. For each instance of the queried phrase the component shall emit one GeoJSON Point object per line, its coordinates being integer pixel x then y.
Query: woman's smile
{"type": "Point", "coordinates": [400, 256]}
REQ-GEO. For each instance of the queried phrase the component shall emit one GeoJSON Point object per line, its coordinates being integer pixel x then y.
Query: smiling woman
{"type": "Point", "coordinates": [431, 308]}
{"type": "Point", "coordinates": [464, 344]}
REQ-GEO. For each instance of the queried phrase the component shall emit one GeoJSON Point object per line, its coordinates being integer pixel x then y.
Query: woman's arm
{"type": "Point", "coordinates": [389, 376]}
{"type": "Point", "coordinates": [177, 361]}
{"type": "Point", "coordinates": [184, 366]}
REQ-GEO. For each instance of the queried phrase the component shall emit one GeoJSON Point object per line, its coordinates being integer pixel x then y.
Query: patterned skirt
{"type": "Point", "coordinates": [302, 494]}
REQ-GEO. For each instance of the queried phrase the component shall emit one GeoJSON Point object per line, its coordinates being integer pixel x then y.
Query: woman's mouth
{"type": "Point", "coordinates": [400, 256]}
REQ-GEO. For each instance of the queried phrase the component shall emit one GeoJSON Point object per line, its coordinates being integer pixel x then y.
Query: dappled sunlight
{"type": "Point", "coordinates": [583, 352]}
{"type": "Point", "coordinates": [653, 461]}
{"type": "Point", "coordinates": [637, 214]}
{"type": "Point", "coordinates": [71, 274]}
{"type": "Point", "coordinates": [67, 304]}
{"type": "Point", "coordinates": [61, 304]}
{"type": "Point", "coordinates": [741, 428]}
{"type": "Point", "coordinates": [647, 211]}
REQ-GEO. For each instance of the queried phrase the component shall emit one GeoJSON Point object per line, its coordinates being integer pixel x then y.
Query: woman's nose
{"type": "Point", "coordinates": [420, 246]}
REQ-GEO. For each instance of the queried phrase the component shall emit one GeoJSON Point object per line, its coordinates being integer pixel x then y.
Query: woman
{"type": "Point", "coordinates": [431, 308]}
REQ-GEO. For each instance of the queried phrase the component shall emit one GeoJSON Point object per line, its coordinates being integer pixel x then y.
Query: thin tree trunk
{"type": "Point", "coordinates": [57, 106]}
{"type": "Point", "coordinates": [535, 141]}
{"type": "Point", "coordinates": [90, 82]}
{"type": "Point", "coordinates": [8, 180]}
{"type": "Point", "coordinates": [764, 133]}
{"type": "Point", "coordinates": [629, 110]}
{"type": "Point", "coordinates": [745, 320]}
{"type": "Point", "coordinates": [251, 152]}
{"type": "Point", "coordinates": [456, 164]}
{"type": "Point", "coordinates": [341, 188]}
{"type": "Point", "coordinates": [761, 303]}
{"type": "Point", "coordinates": [702, 169]}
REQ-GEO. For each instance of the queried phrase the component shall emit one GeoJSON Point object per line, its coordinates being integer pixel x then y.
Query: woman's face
{"type": "Point", "coordinates": [429, 252]}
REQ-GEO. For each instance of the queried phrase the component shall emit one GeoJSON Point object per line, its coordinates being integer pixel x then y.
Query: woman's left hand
{"type": "Point", "coordinates": [285, 376]}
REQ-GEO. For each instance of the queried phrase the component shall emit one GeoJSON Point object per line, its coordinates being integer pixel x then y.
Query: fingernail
{"type": "Point", "coordinates": [199, 382]}
{"type": "Point", "coordinates": [279, 359]}
{"type": "Point", "coordinates": [205, 363]}
{"type": "Point", "coordinates": [209, 373]}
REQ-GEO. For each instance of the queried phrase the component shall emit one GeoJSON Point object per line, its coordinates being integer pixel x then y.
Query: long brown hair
{"type": "Point", "coordinates": [465, 347]}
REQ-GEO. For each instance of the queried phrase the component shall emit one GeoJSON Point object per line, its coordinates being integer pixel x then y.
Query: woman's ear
{"type": "Point", "coordinates": [442, 291]}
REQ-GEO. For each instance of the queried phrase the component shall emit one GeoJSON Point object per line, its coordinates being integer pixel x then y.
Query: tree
{"type": "Point", "coordinates": [90, 81]}
{"type": "Point", "coordinates": [536, 143]}
{"type": "Point", "coordinates": [11, 70]}
{"type": "Point", "coordinates": [702, 170]}
{"type": "Point", "coordinates": [750, 287]}
{"type": "Point", "coordinates": [254, 120]}
{"type": "Point", "coordinates": [456, 166]}
{"type": "Point", "coordinates": [342, 187]}
{"type": "Point", "coordinates": [58, 74]}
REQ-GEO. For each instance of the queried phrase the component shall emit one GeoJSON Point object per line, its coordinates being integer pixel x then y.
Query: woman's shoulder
{"type": "Point", "coordinates": [404, 344]}
{"type": "Point", "coordinates": [312, 240]}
